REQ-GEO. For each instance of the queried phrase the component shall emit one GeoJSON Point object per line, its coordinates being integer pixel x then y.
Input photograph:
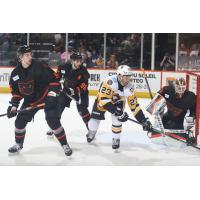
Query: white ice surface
{"type": "Point", "coordinates": [136, 147]}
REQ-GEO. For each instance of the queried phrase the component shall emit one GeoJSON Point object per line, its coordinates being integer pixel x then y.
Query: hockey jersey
{"type": "Point", "coordinates": [111, 92]}
{"type": "Point", "coordinates": [32, 84]}
{"type": "Point", "coordinates": [75, 79]}
{"type": "Point", "coordinates": [177, 107]}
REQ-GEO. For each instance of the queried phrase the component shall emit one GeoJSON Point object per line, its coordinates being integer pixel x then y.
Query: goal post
{"type": "Point", "coordinates": [193, 85]}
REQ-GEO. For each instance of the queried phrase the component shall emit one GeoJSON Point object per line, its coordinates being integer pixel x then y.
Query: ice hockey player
{"type": "Point", "coordinates": [178, 101]}
{"type": "Point", "coordinates": [35, 83]}
{"type": "Point", "coordinates": [75, 87]}
{"type": "Point", "coordinates": [112, 96]}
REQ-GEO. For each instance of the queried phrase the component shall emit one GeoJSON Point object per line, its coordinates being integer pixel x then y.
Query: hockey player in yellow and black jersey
{"type": "Point", "coordinates": [112, 96]}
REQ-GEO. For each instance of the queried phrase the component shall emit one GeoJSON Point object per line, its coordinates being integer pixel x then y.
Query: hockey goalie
{"type": "Point", "coordinates": [173, 109]}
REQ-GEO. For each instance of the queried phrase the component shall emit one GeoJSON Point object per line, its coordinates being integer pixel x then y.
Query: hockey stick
{"type": "Point", "coordinates": [72, 98]}
{"type": "Point", "coordinates": [145, 77]}
{"type": "Point", "coordinates": [26, 109]}
{"type": "Point", "coordinates": [152, 129]}
{"type": "Point", "coordinates": [174, 131]}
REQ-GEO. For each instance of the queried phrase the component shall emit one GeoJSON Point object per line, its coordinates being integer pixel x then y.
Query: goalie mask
{"type": "Point", "coordinates": [180, 86]}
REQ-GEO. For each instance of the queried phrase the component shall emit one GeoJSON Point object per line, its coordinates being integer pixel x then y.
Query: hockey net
{"type": "Point", "coordinates": [193, 84]}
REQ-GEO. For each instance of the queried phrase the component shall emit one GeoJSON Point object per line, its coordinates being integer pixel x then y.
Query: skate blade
{"type": "Point", "coordinates": [50, 137]}
{"type": "Point", "coordinates": [14, 154]}
{"type": "Point", "coordinates": [116, 150]}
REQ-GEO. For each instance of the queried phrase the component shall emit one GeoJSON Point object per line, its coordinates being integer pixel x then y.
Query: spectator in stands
{"type": "Point", "coordinates": [59, 45]}
{"type": "Point", "coordinates": [99, 62]}
{"type": "Point", "coordinates": [194, 50]}
{"type": "Point", "coordinates": [127, 43]}
{"type": "Point", "coordinates": [94, 55]}
{"type": "Point", "coordinates": [54, 57]}
{"type": "Point", "coordinates": [168, 63]}
{"type": "Point", "coordinates": [135, 39]}
{"type": "Point", "coordinates": [87, 60]}
{"type": "Point", "coordinates": [183, 50]}
{"type": "Point", "coordinates": [65, 56]}
{"type": "Point", "coordinates": [112, 63]}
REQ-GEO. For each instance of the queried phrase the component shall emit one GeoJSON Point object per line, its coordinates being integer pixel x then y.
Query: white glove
{"type": "Point", "coordinates": [189, 122]}
{"type": "Point", "coordinates": [72, 91]}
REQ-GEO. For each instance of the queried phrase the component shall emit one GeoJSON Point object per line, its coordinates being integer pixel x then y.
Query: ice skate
{"type": "Point", "coordinates": [115, 143]}
{"type": "Point", "coordinates": [16, 148]}
{"type": "Point", "coordinates": [50, 133]}
{"type": "Point", "coordinates": [67, 149]}
{"type": "Point", "coordinates": [90, 136]}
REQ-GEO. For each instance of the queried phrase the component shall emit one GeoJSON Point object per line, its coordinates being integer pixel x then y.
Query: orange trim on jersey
{"type": "Point", "coordinates": [39, 100]}
{"type": "Point", "coordinates": [16, 95]}
{"type": "Point", "coordinates": [54, 84]}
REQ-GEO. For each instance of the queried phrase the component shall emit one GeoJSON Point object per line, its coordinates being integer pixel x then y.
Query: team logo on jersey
{"type": "Point", "coordinates": [167, 96]}
{"type": "Point", "coordinates": [110, 82]}
{"type": "Point", "coordinates": [15, 78]}
{"type": "Point", "coordinates": [26, 88]}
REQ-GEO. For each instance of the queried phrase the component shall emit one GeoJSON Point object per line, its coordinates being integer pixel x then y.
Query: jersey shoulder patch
{"type": "Point", "coordinates": [109, 82]}
{"type": "Point", "coordinates": [15, 78]}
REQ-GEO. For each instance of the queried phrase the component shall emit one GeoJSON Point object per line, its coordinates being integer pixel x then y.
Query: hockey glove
{"type": "Point", "coordinates": [72, 93]}
{"type": "Point", "coordinates": [146, 124]}
{"type": "Point", "coordinates": [11, 111]}
{"type": "Point", "coordinates": [69, 91]}
{"type": "Point", "coordinates": [51, 100]}
{"type": "Point", "coordinates": [122, 116]}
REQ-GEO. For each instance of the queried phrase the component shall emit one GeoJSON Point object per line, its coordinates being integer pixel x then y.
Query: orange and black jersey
{"type": "Point", "coordinates": [32, 84]}
{"type": "Point", "coordinates": [75, 79]}
{"type": "Point", "coordinates": [177, 107]}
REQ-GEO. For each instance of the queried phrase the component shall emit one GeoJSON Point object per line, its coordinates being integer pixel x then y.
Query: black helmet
{"type": "Point", "coordinates": [76, 56]}
{"type": "Point", "coordinates": [22, 50]}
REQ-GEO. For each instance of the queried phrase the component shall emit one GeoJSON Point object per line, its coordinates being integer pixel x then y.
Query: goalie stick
{"type": "Point", "coordinates": [152, 129]}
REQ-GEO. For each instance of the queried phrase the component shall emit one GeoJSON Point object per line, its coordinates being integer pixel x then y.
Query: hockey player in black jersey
{"type": "Point", "coordinates": [35, 84]}
{"type": "Point", "coordinates": [75, 87]}
{"type": "Point", "coordinates": [178, 101]}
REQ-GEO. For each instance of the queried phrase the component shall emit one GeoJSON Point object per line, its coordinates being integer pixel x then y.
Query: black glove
{"type": "Point", "coordinates": [72, 93]}
{"type": "Point", "coordinates": [122, 116]}
{"type": "Point", "coordinates": [11, 114]}
{"type": "Point", "coordinates": [50, 102]}
{"type": "Point", "coordinates": [147, 126]}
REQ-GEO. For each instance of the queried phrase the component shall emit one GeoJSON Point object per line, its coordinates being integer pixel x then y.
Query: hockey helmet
{"type": "Point", "coordinates": [22, 50]}
{"type": "Point", "coordinates": [124, 70]}
{"type": "Point", "coordinates": [76, 56]}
